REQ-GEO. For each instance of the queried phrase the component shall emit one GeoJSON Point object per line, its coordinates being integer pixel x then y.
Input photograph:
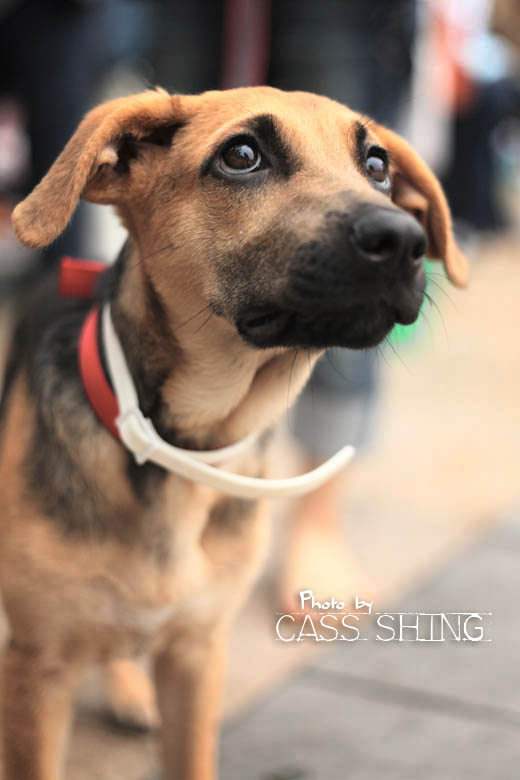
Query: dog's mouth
{"type": "Point", "coordinates": [356, 326]}
{"type": "Point", "coordinates": [264, 326]}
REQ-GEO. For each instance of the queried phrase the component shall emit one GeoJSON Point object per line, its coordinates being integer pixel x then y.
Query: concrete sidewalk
{"type": "Point", "coordinates": [373, 709]}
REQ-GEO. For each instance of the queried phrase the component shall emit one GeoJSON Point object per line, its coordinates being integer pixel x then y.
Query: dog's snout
{"type": "Point", "coordinates": [387, 236]}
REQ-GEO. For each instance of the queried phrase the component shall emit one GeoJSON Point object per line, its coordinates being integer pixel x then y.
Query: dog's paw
{"type": "Point", "coordinates": [131, 697]}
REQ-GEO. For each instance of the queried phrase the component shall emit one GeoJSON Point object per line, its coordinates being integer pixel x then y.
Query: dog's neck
{"type": "Point", "coordinates": [201, 384]}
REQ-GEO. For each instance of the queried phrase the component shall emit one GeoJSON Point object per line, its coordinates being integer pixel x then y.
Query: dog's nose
{"type": "Point", "coordinates": [387, 236]}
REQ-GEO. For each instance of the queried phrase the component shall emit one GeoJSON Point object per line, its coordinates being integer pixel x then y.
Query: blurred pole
{"type": "Point", "coordinates": [245, 49]}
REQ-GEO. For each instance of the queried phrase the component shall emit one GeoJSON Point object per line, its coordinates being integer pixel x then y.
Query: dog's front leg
{"type": "Point", "coordinates": [188, 677]}
{"type": "Point", "coordinates": [37, 695]}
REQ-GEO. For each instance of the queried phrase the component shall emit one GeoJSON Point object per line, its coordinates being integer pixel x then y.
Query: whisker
{"type": "Point", "coordinates": [347, 379]}
{"type": "Point", "coordinates": [443, 291]}
{"type": "Point", "coordinates": [287, 405]}
{"type": "Point", "coordinates": [205, 322]}
{"type": "Point", "coordinates": [398, 356]}
{"type": "Point", "coordinates": [313, 396]}
{"type": "Point", "coordinates": [309, 362]}
{"type": "Point", "coordinates": [141, 260]}
{"type": "Point", "coordinates": [380, 353]}
{"type": "Point", "coordinates": [422, 314]}
{"type": "Point", "coordinates": [434, 304]}
{"type": "Point", "coordinates": [193, 316]}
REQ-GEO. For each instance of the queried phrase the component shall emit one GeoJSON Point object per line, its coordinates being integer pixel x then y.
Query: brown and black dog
{"type": "Point", "coordinates": [264, 227]}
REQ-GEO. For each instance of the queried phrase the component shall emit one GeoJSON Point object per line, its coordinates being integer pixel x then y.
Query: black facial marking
{"type": "Point", "coordinates": [163, 136]}
{"type": "Point", "coordinates": [126, 153]}
{"type": "Point", "coordinates": [360, 138]}
{"type": "Point", "coordinates": [268, 132]}
{"type": "Point", "coordinates": [129, 146]}
{"type": "Point", "coordinates": [277, 155]}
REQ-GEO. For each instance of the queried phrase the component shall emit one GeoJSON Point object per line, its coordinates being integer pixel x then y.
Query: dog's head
{"type": "Point", "coordinates": [299, 222]}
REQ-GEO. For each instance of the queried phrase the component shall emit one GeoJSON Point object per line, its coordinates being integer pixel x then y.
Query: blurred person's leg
{"type": "Point", "coordinates": [470, 182]}
{"type": "Point", "coordinates": [358, 53]}
{"type": "Point", "coordinates": [188, 47]}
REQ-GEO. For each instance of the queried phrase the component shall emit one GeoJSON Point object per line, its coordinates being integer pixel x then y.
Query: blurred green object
{"type": "Point", "coordinates": [402, 334]}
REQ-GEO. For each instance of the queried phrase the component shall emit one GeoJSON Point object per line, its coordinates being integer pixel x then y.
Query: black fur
{"type": "Point", "coordinates": [129, 146]}
{"type": "Point", "coordinates": [45, 349]}
{"type": "Point", "coordinates": [266, 128]}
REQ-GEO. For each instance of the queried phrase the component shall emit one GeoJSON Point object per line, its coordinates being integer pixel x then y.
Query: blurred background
{"type": "Point", "coordinates": [428, 517]}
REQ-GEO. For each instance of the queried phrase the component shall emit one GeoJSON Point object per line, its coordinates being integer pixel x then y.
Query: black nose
{"type": "Point", "coordinates": [387, 236]}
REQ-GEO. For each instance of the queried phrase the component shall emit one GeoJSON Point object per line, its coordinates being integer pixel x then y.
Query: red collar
{"type": "Point", "coordinates": [78, 279]}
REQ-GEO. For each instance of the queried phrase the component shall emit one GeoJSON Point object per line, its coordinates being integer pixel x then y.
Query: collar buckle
{"type": "Point", "coordinates": [137, 433]}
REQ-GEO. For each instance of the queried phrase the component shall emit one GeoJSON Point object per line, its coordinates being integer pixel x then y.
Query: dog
{"type": "Point", "coordinates": [264, 227]}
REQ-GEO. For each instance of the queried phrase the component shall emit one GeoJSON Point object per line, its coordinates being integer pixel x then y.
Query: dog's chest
{"type": "Point", "coordinates": [144, 603]}
{"type": "Point", "coordinates": [206, 558]}
{"type": "Point", "coordinates": [145, 621]}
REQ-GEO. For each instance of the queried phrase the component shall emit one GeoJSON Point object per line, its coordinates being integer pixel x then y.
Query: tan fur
{"type": "Point", "coordinates": [75, 603]}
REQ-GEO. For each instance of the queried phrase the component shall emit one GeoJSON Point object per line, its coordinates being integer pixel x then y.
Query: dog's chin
{"type": "Point", "coordinates": [356, 327]}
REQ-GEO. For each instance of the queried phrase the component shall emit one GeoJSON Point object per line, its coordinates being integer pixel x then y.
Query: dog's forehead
{"type": "Point", "coordinates": [261, 99]}
{"type": "Point", "coordinates": [306, 120]}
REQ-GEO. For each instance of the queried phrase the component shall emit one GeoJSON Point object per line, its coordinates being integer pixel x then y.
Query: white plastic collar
{"type": "Point", "coordinates": [140, 437]}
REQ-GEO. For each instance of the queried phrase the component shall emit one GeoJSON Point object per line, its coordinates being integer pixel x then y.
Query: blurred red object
{"type": "Point", "coordinates": [78, 278]}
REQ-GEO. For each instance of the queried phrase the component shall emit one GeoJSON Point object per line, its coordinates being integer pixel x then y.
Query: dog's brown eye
{"type": "Point", "coordinates": [240, 157]}
{"type": "Point", "coordinates": [377, 168]}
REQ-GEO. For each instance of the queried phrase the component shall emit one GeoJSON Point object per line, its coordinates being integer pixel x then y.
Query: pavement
{"type": "Point", "coordinates": [412, 709]}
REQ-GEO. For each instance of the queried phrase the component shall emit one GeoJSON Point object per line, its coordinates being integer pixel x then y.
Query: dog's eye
{"type": "Point", "coordinates": [376, 167]}
{"type": "Point", "coordinates": [240, 157]}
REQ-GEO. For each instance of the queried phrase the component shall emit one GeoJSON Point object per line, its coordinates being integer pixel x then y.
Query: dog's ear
{"type": "Point", "coordinates": [417, 190]}
{"type": "Point", "coordinates": [95, 163]}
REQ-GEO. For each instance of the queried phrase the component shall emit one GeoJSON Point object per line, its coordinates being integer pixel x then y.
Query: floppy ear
{"type": "Point", "coordinates": [417, 190]}
{"type": "Point", "coordinates": [95, 163]}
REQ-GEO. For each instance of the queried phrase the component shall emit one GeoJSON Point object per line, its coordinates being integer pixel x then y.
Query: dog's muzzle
{"type": "Point", "coordinates": [348, 287]}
